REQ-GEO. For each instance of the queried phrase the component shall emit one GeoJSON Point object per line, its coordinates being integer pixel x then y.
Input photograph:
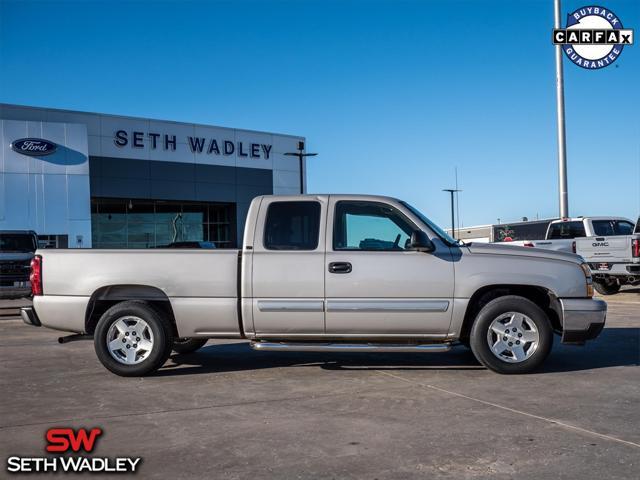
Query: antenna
{"type": "Point", "coordinates": [457, 201]}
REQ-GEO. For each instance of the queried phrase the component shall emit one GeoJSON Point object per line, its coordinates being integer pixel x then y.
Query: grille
{"type": "Point", "coordinates": [15, 268]}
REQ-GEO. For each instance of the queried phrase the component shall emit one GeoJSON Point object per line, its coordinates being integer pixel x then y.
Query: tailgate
{"type": "Point", "coordinates": [610, 249]}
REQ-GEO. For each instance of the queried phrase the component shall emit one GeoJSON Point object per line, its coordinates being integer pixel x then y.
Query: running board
{"type": "Point", "coordinates": [75, 337]}
{"type": "Point", "coordinates": [349, 347]}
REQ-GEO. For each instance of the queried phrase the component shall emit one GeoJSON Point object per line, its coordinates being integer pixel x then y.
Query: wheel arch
{"type": "Point", "coordinates": [541, 296]}
{"type": "Point", "coordinates": [105, 297]}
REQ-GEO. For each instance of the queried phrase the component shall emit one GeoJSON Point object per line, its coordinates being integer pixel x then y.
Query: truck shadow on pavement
{"type": "Point", "coordinates": [633, 289]}
{"type": "Point", "coordinates": [615, 347]}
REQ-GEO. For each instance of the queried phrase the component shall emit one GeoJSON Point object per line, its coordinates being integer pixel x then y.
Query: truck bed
{"type": "Point", "coordinates": [200, 284]}
{"type": "Point", "coordinates": [558, 245]}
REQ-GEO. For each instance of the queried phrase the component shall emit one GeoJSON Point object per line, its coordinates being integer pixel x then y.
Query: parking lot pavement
{"type": "Point", "coordinates": [229, 412]}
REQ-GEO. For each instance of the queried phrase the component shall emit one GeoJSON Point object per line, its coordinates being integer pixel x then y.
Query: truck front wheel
{"type": "Point", "coordinates": [511, 334]}
{"type": "Point", "coordinates": [607, 287]}
{"type": "Point", "coordinates": [133, 339]}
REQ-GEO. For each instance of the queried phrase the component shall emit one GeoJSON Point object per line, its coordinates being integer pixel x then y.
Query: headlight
{"type": "Point", "coordinates": [587, 275]}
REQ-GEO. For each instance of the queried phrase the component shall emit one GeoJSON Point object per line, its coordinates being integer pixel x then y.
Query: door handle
{"type": "Point", "coordinates": [340, 267]}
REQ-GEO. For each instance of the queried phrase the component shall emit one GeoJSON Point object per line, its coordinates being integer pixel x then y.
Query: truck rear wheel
{"type": "Point", "coordinates": [607, 287]}
{"type": "Point", "coordinates": [188, 345]}
{"type": "Point", "coordinates": [511, 334]}
{"type": "Point", "coordinates": [133, 339]}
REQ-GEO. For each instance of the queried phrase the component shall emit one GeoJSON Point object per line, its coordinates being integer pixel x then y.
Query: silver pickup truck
{"type": "Point", "coordinates": [321, 273]}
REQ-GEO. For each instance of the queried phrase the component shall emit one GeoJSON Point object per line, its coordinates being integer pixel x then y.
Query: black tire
{"type": "Point", "coordinates": [188, 345]}
{"type": "Point", "coordinates": [159, 325]}
{"type": "Point", "coordinates": [490, 312]}
{"type": "Point", "coordinates": [607, 288]}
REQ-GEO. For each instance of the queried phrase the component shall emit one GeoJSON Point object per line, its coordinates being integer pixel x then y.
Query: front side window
{"type": "Point", "coordinates": [370, 226]}
{"type": "Point", "coordinates": [566, 230]}
{"type": "Point", "coordinates": [292, 226]}
{"type": "Point", "coordinates": [608, 228]}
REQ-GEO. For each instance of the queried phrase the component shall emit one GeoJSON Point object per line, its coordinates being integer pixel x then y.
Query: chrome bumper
{"type": "Point", "coordinates": [582, 319]}
{"type": "Point", "coordinates": [29, 316]}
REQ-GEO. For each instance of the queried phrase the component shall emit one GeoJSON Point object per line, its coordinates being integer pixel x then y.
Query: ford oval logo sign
{"type": "Point", "coordinates": [34, 147]}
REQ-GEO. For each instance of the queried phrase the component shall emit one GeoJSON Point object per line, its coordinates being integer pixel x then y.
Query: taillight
{"type": "Point", "coordinates": [587, 276]}
{"type": "Point", "coordinates": [36, 275]}
{"type": "Point", "coordinates": [635, 247]}
{"type": "Point", "coordinates": [528, 244]}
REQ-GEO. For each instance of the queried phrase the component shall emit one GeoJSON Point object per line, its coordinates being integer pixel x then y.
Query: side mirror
{"type": "Point", "coordinates": [421, 242]}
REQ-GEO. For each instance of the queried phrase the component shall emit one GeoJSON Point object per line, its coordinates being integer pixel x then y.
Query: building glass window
{"type": "Point", "coordinates": [53, 241]}
{"type": "Point", "coordinates": [122, 223]}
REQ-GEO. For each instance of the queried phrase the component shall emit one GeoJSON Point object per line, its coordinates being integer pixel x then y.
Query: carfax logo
{"type": "Point", "coordinates": [593, 38]}
{"type": "Point", "coordinates": [70, 441]}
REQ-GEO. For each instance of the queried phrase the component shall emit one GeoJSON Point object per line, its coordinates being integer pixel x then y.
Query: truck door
{"type": "Point", "coordinates": [288, 267]}
{"type": "Point", "coordinates": [375, 286]}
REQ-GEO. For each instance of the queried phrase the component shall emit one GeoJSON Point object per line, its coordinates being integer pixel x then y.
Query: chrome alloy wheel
{"type": "Point", "coordinates": [513, 337]}
{"type": "Point", "coordinates": [130, 340]}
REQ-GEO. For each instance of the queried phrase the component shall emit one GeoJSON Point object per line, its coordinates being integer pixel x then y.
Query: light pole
{"type": "Point", "coordinates": [453, 215]}
{"type": "Point", "coordinates": [562, 147]}
{"type": "Point", "coordinates": [301, 156]}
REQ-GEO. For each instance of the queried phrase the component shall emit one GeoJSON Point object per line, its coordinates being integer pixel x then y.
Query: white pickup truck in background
{"type": "Point", "coordinates": [562, 234]}
{"type": "Point", "coordinates": [613, 255]}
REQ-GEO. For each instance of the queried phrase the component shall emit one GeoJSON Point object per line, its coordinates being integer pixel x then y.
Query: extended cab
{"type": "Point", "coordinates": [562, 234]}
{"type": "Point", "coordinates": [613, 255]}
{"type": "Point", "coordinates": [321, 273]}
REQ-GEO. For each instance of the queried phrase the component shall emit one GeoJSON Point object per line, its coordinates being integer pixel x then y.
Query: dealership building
{"type": "Point", "coordinates": [82, 180]}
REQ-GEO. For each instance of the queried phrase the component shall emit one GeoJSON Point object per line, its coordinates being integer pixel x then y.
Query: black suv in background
{"type": "Point", "coordinates": [16, 251]}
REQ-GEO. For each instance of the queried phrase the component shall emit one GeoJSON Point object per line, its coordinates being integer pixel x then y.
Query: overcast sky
{"type": "Point", "coordinates": [392, 95]}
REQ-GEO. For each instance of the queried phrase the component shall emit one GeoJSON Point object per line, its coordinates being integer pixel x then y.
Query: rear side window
{"type": "Point", "coordinates": [566, 230]}
{"type": "Point", "coordinates": [292, 226]}
{"type": "Point", "coordinates": [604, 228]}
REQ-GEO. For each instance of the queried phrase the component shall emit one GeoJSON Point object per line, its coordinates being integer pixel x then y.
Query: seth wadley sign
{"type": "Point", "coordinates": [209, 146]}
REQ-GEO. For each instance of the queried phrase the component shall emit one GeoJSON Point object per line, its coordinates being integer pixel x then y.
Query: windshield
{"type": "Point", "coordinates": [440, 232]}
{"type": "Point", "coordinates": [17, 242]}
